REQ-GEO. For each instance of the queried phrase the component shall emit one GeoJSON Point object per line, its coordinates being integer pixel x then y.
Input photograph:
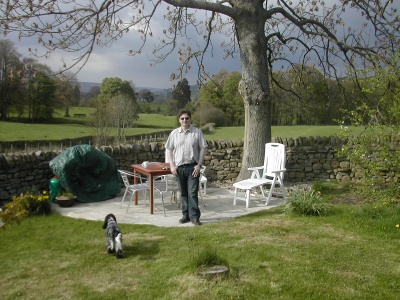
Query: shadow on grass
{"type": "Point", "coordinates": [63, 120]}
{"type": "Point", "coordinates": [144, 248]}
{"type": "Point", "coordinates": [153, 126]}
{"type": "Point", "coordinates": [71, 120]}
{"type": "Point", "coordinates": [263, 213]}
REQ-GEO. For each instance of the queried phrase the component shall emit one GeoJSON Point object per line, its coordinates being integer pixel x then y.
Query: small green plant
{"type": "Point", "coordinates": [32, 202]}
{"type": "Point", "coordinates": [319, 186]}
{"type": "Point", "coordinates": [380, 216]}
{"type": "Point", "coordinates": [307, 202]}
{"type": "Point", "coordinates": [331, 187]}
{"type": "Point", "coordinates": [13, 211]}
{"type": "Point", "coordinates": [66, 195]}
{"type": "Point", "coordinates": [206, 257]}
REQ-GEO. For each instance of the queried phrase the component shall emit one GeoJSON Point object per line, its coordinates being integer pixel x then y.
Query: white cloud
{"type": "Point", "coordinates": [114, 61]}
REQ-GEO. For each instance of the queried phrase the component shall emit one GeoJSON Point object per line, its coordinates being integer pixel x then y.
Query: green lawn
{"type": "Point", "coordinates": [277, 131]}
{"type": "Point", "coordinates": [75, 127]}
{"type": "Point", "coordinates": [12, 131]}
{"type": "Point", "coordinates": [270, 254]}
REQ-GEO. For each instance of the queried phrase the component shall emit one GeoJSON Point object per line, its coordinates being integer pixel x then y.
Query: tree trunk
{"type": "Point", "coordinates": [254, 88]}
{"type": "Point", "coordinates": [67, 111]}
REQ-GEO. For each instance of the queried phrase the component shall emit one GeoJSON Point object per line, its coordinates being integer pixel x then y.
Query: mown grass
{"type": "Point", "coordinates": [271, 255]}
{"type": "Point", "coordinates": [63, 127]}
{"type": "Point", "coordinates": [279, 131]}
{"type": "Point", "coordinates": [76, 127]}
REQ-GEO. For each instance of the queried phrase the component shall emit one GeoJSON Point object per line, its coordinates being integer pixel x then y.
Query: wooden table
{"type": "Point", "coordinates": [153, 170]}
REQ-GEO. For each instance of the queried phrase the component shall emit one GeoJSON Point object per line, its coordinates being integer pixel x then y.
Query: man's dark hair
{"type": "Point", "coordinates": [184, 111]}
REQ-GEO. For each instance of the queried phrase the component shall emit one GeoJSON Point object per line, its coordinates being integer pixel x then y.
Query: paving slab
{"type": "Point", "coordinates": [218, 207]}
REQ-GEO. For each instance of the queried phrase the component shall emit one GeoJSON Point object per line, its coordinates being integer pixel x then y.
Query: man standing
{"type": "Point", "coordinates": [185, 149]}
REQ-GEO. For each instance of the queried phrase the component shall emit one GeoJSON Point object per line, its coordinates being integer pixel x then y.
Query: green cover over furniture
{"type": "Point", "coordinates": [87, 172]}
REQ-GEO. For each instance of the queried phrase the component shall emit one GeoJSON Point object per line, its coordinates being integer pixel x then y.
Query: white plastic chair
{"type": "Point", "coordinates": [164, 185]}
{"type": "Point", "coordinates": [202, 184]}
{"type": "Point", "coordinates": [203, 181]}
{"type": "Point", "coordinates": [272, 174]}
{"type": "Point", "coordinates": [132, 188]}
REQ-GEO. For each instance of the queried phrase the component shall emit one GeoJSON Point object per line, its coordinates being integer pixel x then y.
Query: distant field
{"type": "Point", "coordinates": [156, 121]}
{"type": "Point", "coordinates": [31, 132]}
{"type": "Point", "coordinates": [75, 127]}
{"type": "Point", "coordinates": [10, 131]}
{"type": "Point", "coordinates": [224, 133]}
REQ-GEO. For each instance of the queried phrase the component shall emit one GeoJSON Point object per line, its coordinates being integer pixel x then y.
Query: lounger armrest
{"type": "Point", "coordinates": [279, 171]}
{"type": "Point", "coordinates": [255, 168]}
{"type": "Point", "coordinates": [255, 172]}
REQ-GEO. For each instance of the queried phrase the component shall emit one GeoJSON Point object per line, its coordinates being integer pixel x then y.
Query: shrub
{"type": "Point", "coordinates": [309, 202]}
{"type": "Point", "coordinates": [32, 202]}
{"type": "Point", "coordinates": [208, 113]}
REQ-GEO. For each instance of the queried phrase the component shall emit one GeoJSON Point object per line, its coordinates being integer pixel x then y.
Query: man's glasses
{"type": "Point", "coordinates": [185, 118]}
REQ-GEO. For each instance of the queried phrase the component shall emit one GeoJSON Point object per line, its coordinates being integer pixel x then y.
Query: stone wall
{"type": "Point", "coordinates": [308, 159]}
{"type": "Point", "coordinates": [316, 158]}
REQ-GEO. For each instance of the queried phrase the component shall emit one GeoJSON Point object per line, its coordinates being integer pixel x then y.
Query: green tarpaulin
{"type": "Point", "coordinates": [87, 172]}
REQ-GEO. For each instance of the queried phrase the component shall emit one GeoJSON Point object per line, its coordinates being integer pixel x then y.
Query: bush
{"type": "Point", "coordinates": [32, 202]}
{"type": "Point", "coordinates": [208, 113]}
{"type": "Point", "coordinates": [307, 203]}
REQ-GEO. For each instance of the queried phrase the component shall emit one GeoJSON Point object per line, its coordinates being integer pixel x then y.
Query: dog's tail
{"type": "Point", "coordinates": [118, 246]}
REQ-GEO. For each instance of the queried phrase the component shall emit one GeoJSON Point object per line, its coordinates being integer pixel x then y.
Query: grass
{"type": "Point", "coordinates": [11, 131]}
{"type": "Point", "coordinates": [271, 255]}
{"type": "Point", "coordinates": [75, 127]}
{"type": "Point", "coordinates": [225, 133]}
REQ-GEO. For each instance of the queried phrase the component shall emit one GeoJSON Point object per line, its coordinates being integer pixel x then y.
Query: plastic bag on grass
{"type": "Point", "coordinates": [87, 172]}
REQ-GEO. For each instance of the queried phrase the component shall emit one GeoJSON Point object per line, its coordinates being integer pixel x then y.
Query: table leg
{"type": "Point", "coordinates": [136, 194]}
{"type": "Point", "coordinates": [151, 194]}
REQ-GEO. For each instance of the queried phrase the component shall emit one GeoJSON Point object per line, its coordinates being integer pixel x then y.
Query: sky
{"type": "Point", "coordinates": [114, 61]}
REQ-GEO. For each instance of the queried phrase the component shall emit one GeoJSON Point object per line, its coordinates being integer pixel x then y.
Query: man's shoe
{"type": "Point", "coordinates": [196, 222]}
{"type": "Point", "coordinates": [184, 220]}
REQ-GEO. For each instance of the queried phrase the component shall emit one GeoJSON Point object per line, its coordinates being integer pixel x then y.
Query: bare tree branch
{"type": "Point", "coordinates": [265, 35]}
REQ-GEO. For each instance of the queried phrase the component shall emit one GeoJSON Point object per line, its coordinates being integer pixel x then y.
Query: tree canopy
{"type": "Point", "coordinates": [180, 96]}
{"type": "Point", "coordinates": [222, 92]}
{"type": "Point", "coordinates": [146, 95]}
{"type": "Point", "coordinates": [68, 92]}
{"type": "Point", "coordinates": [111, 87]}
{"type": "Point", "coordinates": [28, 88]}
{"type": "Point", "coordinates": [116, 107]}
{"type": "Point", "coordinates": [265, 34]}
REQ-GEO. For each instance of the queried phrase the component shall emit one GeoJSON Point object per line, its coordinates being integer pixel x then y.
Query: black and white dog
{"type": "Point", "coordinates": [114, 236]}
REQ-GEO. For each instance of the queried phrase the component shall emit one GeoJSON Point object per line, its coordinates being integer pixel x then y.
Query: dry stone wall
{"type": "Point", "coordinates": [308, 159]}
